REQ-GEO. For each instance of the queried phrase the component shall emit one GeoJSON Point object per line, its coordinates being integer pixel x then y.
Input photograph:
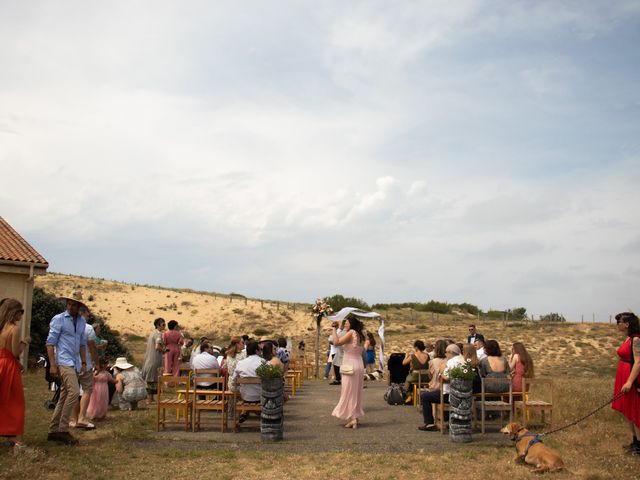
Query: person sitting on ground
{"type": "Point", "coordinates": [521, 365]}
{"type": "Point", "coordinates": [428, 398]}
{"type": "Point", "coordinates": [494, 366]}
{"type": "Point", "coordinates": [437, 364]}
{"type": "Point", "coordinates": [419, 360]}
{"type": "Point", "coordinates": [130, 386]}
{"type": "Point", "coordinates": [479, 344]}
{"type": "Point", "coordinates": [469, 354]}
{"type": "Point", "coordinates": [205, 360]}
{"type": "Point", "coordinates": [247, 368]}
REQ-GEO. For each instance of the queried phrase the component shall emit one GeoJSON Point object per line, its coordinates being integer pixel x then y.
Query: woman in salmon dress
{"type": "Point", "coordinates": [521, 366]}
{"type": "Point", "coordinates": [173, 341]}
{"type": "Point", "coordinates": [350, 405]}
{"type": "Point", "coordinates": [629, 402]}
{"type": "Point", "coordinates": [11, 391]}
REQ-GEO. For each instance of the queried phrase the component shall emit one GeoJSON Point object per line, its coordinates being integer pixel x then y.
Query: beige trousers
{"type": "Point", "coordinates": [69, 393]}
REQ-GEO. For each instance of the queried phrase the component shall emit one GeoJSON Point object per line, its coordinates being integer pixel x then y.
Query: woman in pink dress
{"type": "Point", "coordinates": [350, 405]}
{"type": "Point", "coordinates": [99, 403]}
{"type": "Point", "coordinates": [173, 341]}
{"type": "Point", "coordinates": [521, 366]}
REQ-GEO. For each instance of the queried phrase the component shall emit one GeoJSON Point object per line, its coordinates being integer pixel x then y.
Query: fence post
{"type": "Point", "coordinates": [261, 304]}
{"type": "Point", "coordinates": [581, 318]}
{"type": "Point", "coordinates": [230, 299]}
{"type": "Point", "coordinates": [245, 300]}
{"type": "Point", "coordinates": [294, 308]}
{"type": "Point", "coordinates": [609, 318]}
{"type": "Point", "coordinates": [277, 306]}
{"type": "Point", "coordinates": [594, 317]}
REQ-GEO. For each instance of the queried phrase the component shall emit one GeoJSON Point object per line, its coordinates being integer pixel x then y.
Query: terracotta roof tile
{"type": "Point", "coordinates": [15, 248]}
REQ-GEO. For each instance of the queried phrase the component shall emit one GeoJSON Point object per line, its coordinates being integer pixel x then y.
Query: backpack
{"type": "Point", "coordinates": [395, 394]}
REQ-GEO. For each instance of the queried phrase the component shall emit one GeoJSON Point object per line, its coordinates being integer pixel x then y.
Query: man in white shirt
{"type": "Point", "coordinates": [479, 344]}
{"type": "Point", "coordinates": [247, 368]}
{"type": "Point", "coordinates": [429, 397]}
{"type": "Point", "coordinates": [205, 359]}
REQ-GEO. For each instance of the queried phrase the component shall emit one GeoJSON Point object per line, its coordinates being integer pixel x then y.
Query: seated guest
{"type": "Point", "coordinates": [494, 366]}
{"type": "Point", "coordinates": [130, 386]}
{"type": "Point", "coordinates": [430, 350]}
{"type": "Point", "coordinates": [247, 368]}
{"type": "Point", "coordinates": [430, 397]}
{"type": "Point", "coordinates": [269, 357]}
{"type": "Point", "coordinates": [282, 353]}
{"type": "Point", "coordinates": [437, 364]}
{"type": "Point", "coordinates": [521, 365]}
{"type": "Point", "coordinates": [479, 343]}
{"type": "Point", "coordinates": [205, 359]}
{"type": "Point", "coordinates": [419, 360]}
{"type": "Point", "coordinates": [469, 354]}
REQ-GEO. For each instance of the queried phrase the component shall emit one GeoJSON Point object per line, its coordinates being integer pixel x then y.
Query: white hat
{"type": "Point", "coordinates": [122, 364]}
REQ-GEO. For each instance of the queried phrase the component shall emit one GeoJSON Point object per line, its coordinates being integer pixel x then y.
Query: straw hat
{"type": "Point", "coordinates": [74, 297]}
{"type": "Point", "coordinates": [122, 364]}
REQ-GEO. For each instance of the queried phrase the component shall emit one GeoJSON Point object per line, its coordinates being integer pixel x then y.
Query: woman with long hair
{"type": "Point", "coordinates": [494, 365]}
{"type": "Point", "coordinates": [626, 375]}
{"type": "Point", "coordinates": [11, 391]}
{"type": "Point", "coordinates": [350, 405]}
{"type": "Point", "coordinates": [470, 355]}
{"type": "Point", "coordinates": [437, 364]}
{"type": "Point", "coordinates": [418, 360]}
{"type": "Point", "coordinates": [370, 351]}
{"type": "Point", "coordinates": [521, 365]}
{"type": "Point", "coordinates": [234, 355]}
{"type": "Point", "coordinates": [153, 358]}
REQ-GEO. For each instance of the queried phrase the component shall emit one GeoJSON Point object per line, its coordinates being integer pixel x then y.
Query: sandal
{"type": "Point", "coordinates": [86, 426]}
{"type": "Point", "coordinates": [428, 428]}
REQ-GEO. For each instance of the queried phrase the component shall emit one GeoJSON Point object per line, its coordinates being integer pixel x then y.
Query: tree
{"type": "Point", "coordinates": [338, 302]}
{"type": "Point", "coordinates": [552, 317]}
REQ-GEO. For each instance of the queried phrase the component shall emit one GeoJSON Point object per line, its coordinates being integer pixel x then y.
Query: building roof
{"type": "Point", "coordinates": [14, 248]}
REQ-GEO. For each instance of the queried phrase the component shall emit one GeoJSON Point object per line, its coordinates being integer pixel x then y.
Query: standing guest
{"type": "Point", "coordinates": [153, 358]}
{"type": "Point", "coordinates": [99, 403]}
{"type": "Point", "coordinates": [337, 358]}
{"type": "Point", "coordinates": [130, 386]}
{"type": "Point", "coordinates": [11, 391]}
{"type": "Point", "coordinates": [473, 334]}
{"type": "Point", "coordinates": [419, 360]}
{"type": "Point", "coordinates": [66, 348]}
{"type": "Point", "coordinates": [494, 365]}
{"type": "Point", "coordinates": [247, 368]}
{"type": "Point", "coordinates": [173, 340]}
{"type": "Point", "coordinates": [101, 343]}
{"type": "Point", "coordinates": [370, 349]}
{"type": "Point", "coordinates": [521, 366]}
{"type": "Point", "coordinates": [330, 355]}
{"type": "Point", "coordinates": [470, 356]}
{"type": "Point", "coordinates": [350, 405]}
{"type": "Point", "coordinates": [282, 352]}
{"type": "Point", "coordinates": [627, 375]}
{"type": "Point", "coordinates": [454, 358]}
{"type": "Point", "coordinates": [79, 415]}
{"type": "Point", "coordinates": [479, 343]}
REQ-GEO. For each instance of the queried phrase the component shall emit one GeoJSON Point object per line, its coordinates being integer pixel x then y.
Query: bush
{"type": "Point", "coordinates": [553, 317]}
{"type": "Point", "coordinates": [258, 332]}
{"type": "Point", "coordinates": [338, 302]}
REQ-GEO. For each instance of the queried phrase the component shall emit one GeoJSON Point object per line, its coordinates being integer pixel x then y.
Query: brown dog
{"type": "Point", "coordinates": [530, 449]}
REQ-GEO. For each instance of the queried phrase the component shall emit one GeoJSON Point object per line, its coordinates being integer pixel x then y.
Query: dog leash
{"type": "Point", "coordinates": [613, 399]}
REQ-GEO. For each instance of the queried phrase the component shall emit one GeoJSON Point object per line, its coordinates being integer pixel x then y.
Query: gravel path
{"type": "Point", "coordinates": [309, 427]}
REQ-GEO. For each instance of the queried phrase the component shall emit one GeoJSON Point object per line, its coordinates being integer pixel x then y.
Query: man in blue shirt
{"type": "Point", "coordinates": [66, 347]}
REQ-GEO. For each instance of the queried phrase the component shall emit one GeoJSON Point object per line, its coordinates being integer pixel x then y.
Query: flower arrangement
{"type": "Point", "coordinates": [464, 371]}
{"type": "Point", "coordinates": [267, 370]}
{"type": "Point", "coordinates": [321, 308]}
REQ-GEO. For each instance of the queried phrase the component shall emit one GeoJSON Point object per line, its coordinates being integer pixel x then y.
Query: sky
{"type": "Point", "coordinates": [467, 151]}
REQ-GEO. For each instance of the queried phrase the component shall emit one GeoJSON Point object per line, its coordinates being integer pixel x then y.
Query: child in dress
{"type": "Point", "coordinates": [99, 402]}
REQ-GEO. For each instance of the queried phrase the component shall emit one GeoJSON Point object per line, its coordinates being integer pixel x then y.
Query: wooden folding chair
{"type": "Point", "coordinates": [494, 402]}
{"type": "Point", "coordinates": [423, 379]}
{"type": "Point", "coordinates": [214, 398]}
{"type": "Point", "coordinates": [242, 406]}
{"type": "Point", "coordinates": [440, 408]}
{"type": "Point", "coordinates": [537, 397]}
{"type": "Point", "coordinates": [174, 393]}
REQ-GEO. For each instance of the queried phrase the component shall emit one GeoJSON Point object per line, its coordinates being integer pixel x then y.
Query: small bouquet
{"type": "Point", "coordinates": [464, 371]}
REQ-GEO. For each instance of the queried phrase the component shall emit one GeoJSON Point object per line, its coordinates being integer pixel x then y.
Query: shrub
{"type": "Point", "coordinates": [338, 302]}
{"type": "Point", "coordinates": [553, 317]}
{"type": "Point", "coordinates": [258, 332]}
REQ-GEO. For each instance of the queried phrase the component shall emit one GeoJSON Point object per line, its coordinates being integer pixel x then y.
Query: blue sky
{"type": "Point", "coordinates": [460, 151]}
